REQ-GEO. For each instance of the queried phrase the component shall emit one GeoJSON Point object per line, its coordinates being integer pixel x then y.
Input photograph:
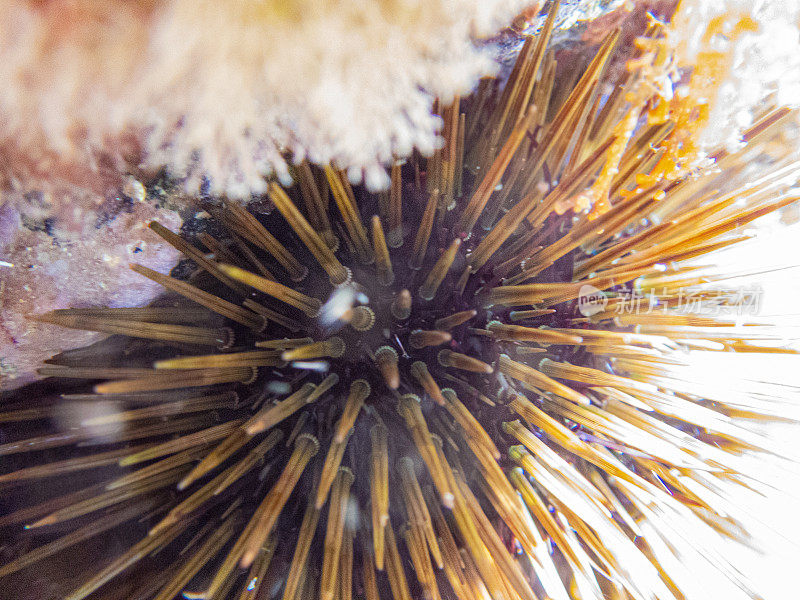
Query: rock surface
{"type": "Point", "coordinates": [73, 252]}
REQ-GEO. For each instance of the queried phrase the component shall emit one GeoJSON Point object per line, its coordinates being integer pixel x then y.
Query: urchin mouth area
{"type": "Point", "coordinates": [420, 317]}
{"type": "Point", "coordinates": [385, 327]}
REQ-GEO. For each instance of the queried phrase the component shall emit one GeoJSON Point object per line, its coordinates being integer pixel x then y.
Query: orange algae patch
{"type": "Point", "coordinates": [690, 107]}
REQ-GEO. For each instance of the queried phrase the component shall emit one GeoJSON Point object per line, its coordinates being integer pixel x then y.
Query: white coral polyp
{"type": "Point", "coordinates": [219, 91]}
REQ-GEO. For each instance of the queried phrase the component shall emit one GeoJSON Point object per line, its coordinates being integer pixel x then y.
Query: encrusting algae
{"type": "Point", "coordinates": [406, 394]}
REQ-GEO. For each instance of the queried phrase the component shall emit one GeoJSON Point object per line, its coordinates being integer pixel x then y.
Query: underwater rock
{"type": "Point", "coordinates": [74, 252]}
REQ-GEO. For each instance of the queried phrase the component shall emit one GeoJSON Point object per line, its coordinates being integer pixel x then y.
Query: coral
{"type": "Point", "coordinates": [218, 92]}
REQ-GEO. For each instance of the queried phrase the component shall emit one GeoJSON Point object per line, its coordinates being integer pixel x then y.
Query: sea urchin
{"type": "Point", "coordinates": [442, 391]}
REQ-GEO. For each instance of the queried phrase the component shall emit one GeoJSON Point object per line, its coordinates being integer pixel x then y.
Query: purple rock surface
{"type": "Point", "coordinates": [71, 248]}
